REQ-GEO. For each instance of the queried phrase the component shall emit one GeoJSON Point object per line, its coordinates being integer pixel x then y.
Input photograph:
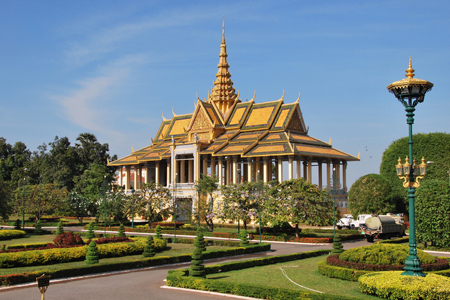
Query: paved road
{"type": "Point", "coordinates": [145, 284]}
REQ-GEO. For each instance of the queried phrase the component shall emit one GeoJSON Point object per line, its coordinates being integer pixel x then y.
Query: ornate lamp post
{"type": "Point", "coordinates": [411, 91]}
{"type": "Point", "coordinates": [175, 208]}
{"type": "Point", "coordinates": [259, 205]}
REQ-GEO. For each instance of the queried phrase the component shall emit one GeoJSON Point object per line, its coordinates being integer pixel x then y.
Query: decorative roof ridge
{"type": "Point", "coordinates": [223, 94]}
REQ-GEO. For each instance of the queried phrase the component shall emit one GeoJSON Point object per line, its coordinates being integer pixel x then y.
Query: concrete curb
{"type": "Point", "coordinates": [208, 292]}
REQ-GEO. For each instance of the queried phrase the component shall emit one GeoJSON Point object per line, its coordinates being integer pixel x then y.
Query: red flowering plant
{"type": "Point", "coordinates": [68, 239]}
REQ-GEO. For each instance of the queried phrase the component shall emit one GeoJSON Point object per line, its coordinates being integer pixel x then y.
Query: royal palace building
{"type": "Point", "coordinates": [234, 140]}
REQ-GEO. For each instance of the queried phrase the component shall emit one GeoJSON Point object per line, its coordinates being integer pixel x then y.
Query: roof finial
{"type": "Point", "coordinates": [410, 71]}
{"type": "Point", "coordinates": [223, 30]}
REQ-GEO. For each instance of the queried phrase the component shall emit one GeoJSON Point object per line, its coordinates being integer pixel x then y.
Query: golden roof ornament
{"type": "Point", "coordinates": [402, 86]}
{"type": "Point", "coordinates": [223, 95]}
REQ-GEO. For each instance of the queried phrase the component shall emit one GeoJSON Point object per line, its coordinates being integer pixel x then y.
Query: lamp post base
{"type": "Point", "coordinates": [413, 267]}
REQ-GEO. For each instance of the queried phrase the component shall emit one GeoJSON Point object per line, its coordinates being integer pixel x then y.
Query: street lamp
{"type": "Point", "coordinates": [436, 162]}
{"type": "Point", "coordinates": [134, 202]}
{"type": "Point", "coordinates": [411, 91]}
{"type": "Point", "coordinates": [23, 202]}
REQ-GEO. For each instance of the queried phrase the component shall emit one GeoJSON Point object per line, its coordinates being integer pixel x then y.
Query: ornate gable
{"type": "Point", "coordinates": [202, 121]}
{"type": "Point", "coordinates": [296, 122]}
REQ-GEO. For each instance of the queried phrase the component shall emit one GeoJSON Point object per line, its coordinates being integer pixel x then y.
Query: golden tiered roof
{"type": "Point", "coordinates": [222, 125]}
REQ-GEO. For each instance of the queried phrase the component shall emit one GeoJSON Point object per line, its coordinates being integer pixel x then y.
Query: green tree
{"type": "Point", "coordinates": [197, 269]}
{"type": "Point", "coordinates": [199, 240]}
{"type": "Point", "coordinates": [297, 201]}
{"type": "Point", "coordinates": [240, 201]}
{"type": "Point", "coordinates": [132, 205]}
{"type": "Point", "coordinates": [77, 205]}
{"type": "Point", "coordinates": [433, 146]}
{"type": "Point", "coordinates": [155, 200]}
{"type": "Point", "coordinates": [5, 200]}
{"type": "Point", "coordinates": [244, 239]}
{"type": "Point", "coordinates": [371, 194]}
{"type": "Point", "coordinates": [92, 256]}
{"type": "Point", "coordinates": [338, 248]}
{"type": "Point", "coordinates": [90, 231]}
{"type": "Point", "coordinates": [115, 202]}
{"type": "Point", "coordinates": [59, 229]}
{"type": "Point", "coordinates": [432, 206]}
{"type": "Point", "coordinates": [158, 234]}
{"type": "Point", "coordinates": [38, 227]}
{"type": "Point", "coordinates": [149, 249]}
{"type": "Point", "coordinates": [208, 186]}
{"type": "Point", "coordinates": [121, 232]}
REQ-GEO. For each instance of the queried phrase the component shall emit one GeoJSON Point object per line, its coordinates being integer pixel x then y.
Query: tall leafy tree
{"type": "Point", "coordinates": [371, 194]}
{"type": "Point", "coordinates": [208, 186]}
{"type": "Point", "coordinates": [241, 201]}
{"type": "Point", "coordinates": [433, 146]}
{"type": "Point", "coordinates": [77, 205]}
{"type": "Point", "coordinates": [433, 213]}
{"type": "Point", "coordinates": [155, 201]}
{"type": "Point", "coordinates": [5, 199]}
{"type": "Point", "coordinates": [297, 201]}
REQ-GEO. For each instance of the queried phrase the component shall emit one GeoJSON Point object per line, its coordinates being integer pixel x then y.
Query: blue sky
{"type": "Point", "coordinates": [112, 67]}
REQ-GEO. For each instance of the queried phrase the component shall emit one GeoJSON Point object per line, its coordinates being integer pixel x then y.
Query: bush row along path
{"type": "Point", "coordinates": [143, 284]}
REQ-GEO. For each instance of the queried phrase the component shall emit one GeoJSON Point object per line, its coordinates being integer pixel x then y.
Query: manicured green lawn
{"type": "Point", "coordinates": [30, 239]}
{"type": "Point", "coordinates": [175, 249]}
{"type": "Point", "coordinates": [303, 272]}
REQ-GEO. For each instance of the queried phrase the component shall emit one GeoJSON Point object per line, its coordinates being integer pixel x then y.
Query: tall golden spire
{"type": "Point", "coordinates": [223, 95]}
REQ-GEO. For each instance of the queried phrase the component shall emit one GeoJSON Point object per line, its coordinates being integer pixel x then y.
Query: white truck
{"type": "Point", "coordinates": [355, 224]}
{"type": "Point", "coordinates": [344, 222]}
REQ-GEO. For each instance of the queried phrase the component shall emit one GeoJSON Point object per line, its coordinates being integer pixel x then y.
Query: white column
{"type": "Point", "coordinates": [156, 172]}
{"type": "Point", "coordinates": [213, 166]}
{"type": "Point", "coordinates": [280, 169]}
{"type": "Point", "coordinates": [136, 186]}
{"type": "Point", "coordinates": [309, 170]}
{"type": "Point", "coordinates": [120, 176]}
{"type": "Point", "coordinates": [182, 170]}
{"type": "Point", "coordinates": [168, 172]}
{"type": "Point", "coordinates": [328, 175]}
{"type": "Point", "coordinates": [249, 169]}
{"type": "Point", "coordinates": [344, 175]}
{"type": "Point", "coordinates": [234, 170]}
{"type": "Point", "coordinates": [298, 168]}
{"type": "Point", "coordinates": [190, 170]}
{"type": "Point", "coordinates": [291, 168]}
{"type": "Point", "coordinates": [127, 177]}
{"type": "Point", "coordinates": [220, 170]}
{"type": "Point", "coordinates": [266, 170]}
{"type": "Point", "coordinates": [320, 174]}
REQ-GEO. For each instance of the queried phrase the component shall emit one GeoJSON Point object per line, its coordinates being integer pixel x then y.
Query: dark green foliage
{"type": "Point", "coordinates": [5, 196]}
{"type": "Point", "coordinates": [158, 234]}
{"type": "Point", "coordinates": [383, 254]}
{"type": "Point", "coordinates": [199, 241]}
{"type": "Point", "coordinates": [434, 146]}
{"type": "Point", "coordinates": [90, 231]}
{"type": "Point", "coordinates": [92, 254]}
{"type": "Point", "coordinates": [244, 239]}
{"type": "Point", "coordinates": [433, 213]}
{"type": "Point", "coordinates": [197, 268]}
{"type": "Point", "coordinates": [38, 227]}
{"type": "Point", "coordinates": [17, 224]}
{"type": "Point", "coordinates": [337, 245]}
{"type": "Point", "coordinates": [121, 232]}
{"type": "Point", "coordinates": [371, 194]}
{"type": "Point", "coordinates": [59, 229]}
{"type": "Point", "coordinates": [149, 250]}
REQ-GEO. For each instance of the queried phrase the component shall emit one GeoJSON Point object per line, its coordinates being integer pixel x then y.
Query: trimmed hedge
{"type": "Point", "coordinates": [333, 260]}
{"type": "Point", "coordinates": [143, 263]}
{"type": "Point", "coordinates": [392, 285]}
{"type": "Point", "coordinates": [353, 274]}
{"type": "Point", "coordinates": [8, 234]}
{"type": "Point", "coordinates": [62, 255]}
{"type": "Point", "coordinates": [340, 272]}
{"type": "Point", "coordinates": [26, 246]}
{"type": "Point", "coordinates": [180, 278]}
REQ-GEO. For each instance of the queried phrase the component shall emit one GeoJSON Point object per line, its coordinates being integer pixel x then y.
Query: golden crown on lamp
{"type": "Point", "coordinates": [404, 171]}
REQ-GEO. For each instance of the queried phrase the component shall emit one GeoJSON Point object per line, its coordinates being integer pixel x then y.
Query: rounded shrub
{"type": "Point", "coordinates": [68, 239]}
{"type": "Point", "coordinates": [384, 254]}
{"type": "Point", "coordinates": [199, 241]}
{"type": "Point", "coordinates": [38, 228]}
{"type": "Point", "coordinates": [17, 224]}
{"type": "Point", "coordinates": [337, 245]}
{"type": "Point", "coordinates": [393, 285]}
